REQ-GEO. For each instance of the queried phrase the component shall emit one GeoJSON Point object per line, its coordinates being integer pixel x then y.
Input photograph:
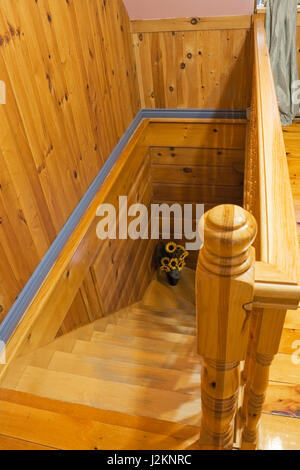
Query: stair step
{"type": "Point", "coordinates": [166, 312]}
{"type": "Point", "coordinates": [111, 319]}
{"type": "Point", "coordinates": [67, 426]}
{"type": "Point", "coordinates": [137, 356]}
{"type": "Point", "coordinates": [136, 314]}
{"type": "Point", "coordinates": [160, 294]}
{"type": "Point", "coordinates": [38, 358]}
{"type": "Point", "coordinates": [130, 399]}
{"type": "Point", "coordinates": [147, 344]}
{"type": "Point", "coordinates": [63, 343]}
{"type": "Point", "coordinates": [185, 330]}
{"type": "Point", "coordinates": [186, 286]}
{"type": "Point", "coordinates": [134, 374]}
{"type": "Point", "coordinates": [155, 334]}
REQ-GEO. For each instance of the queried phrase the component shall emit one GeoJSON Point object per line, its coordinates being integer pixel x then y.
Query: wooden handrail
{"type": "Point", "coordinates": [268, 197]}
{"type": "Point", "coordinates": [268, 192]}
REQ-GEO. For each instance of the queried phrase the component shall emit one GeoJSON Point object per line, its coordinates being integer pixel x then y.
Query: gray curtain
{"type": "Point", "coordinates": [281, 30]}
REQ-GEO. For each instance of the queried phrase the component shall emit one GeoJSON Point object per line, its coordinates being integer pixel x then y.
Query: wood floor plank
{"type": "Point", "coordinates": [78, 411]}
{"type": "Point", "coordinates": [53, 429]}
{"type": "Point", "coordinates": [290, 339]}
{"type": "Point", "coordinates": [283, 399]}
{"type": "Point", "coordinates": [279, 433]}
{"type": "Point", "coordinates": [284, 370]}
{"type": "Point", "coordinates": [10, 443]}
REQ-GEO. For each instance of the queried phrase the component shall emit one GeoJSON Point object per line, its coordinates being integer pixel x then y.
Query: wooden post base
{"type": "Point", "coordinates": [256, 397]}
{"type": "Point", "coordinates": [219, 391]}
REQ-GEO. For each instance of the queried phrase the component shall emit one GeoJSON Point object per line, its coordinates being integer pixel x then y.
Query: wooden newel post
{"type": "Point", "coordinates": [224, 284]}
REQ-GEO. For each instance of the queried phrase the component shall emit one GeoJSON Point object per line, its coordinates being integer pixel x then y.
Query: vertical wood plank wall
{"type": "Point", "coordinates": [193, 62]}
{"type": "Point", "coordinates": [72, 91]}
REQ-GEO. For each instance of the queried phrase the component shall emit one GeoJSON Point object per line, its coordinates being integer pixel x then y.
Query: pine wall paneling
{"type": "Point", "coordinates": [71, 93]}
{"type": "Point", "coordinates": [200, 163]}
{"type": "Point", "coordinates": [121, 269]}
{"type": "Point", "coordinates": [194, 62]}
{"type": "Point", "coordinates": [72, 90]}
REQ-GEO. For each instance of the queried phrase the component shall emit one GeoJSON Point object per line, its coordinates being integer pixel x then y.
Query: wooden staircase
{"type": "Point", "coordinates": [138, 366]}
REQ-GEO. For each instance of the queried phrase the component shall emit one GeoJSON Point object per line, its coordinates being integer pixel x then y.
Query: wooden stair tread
{"type": "Point", "coordinates": [70, 426]}
{"type": "Point", "coordinates": [38, 358]}
{"type": "Point", "coordinates": [148, 344]}
{"type": "Point", "coordinates": [185, 290]}
{"type": "Point", "coordinates": [138, 356]}
{"type": "Point", "coordinates": [135, 374]}
{"type": "Point", "coordinates": [156, 326]}
{"type": "Point", "coordinates": [102, 323]}
{"type": "Point", "coordinates": [159, 319]}
{"type": "Point", "coordinates": [162, 296]}
{"type": "Point", "coordinates": [154, 334]}
{"type": "Point", "coordinates": [165, 312]}
{"type": "Point", "coordinates": [126, 398]}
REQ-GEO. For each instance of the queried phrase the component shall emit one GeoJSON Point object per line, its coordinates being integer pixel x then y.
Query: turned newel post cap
{"type": "Point", "coordinates": [227, 230]}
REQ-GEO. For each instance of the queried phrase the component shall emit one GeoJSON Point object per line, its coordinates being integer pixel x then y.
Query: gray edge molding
{"type": "Point", "coordinates": [28, 293]}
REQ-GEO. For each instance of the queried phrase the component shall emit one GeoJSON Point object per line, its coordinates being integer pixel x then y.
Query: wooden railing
{"type": "Point", "coordinates": [239, 293]}
{"type": "Point", "coordinates": [268, 192]}
{"type": "Point", "coordinates": [268, 196]}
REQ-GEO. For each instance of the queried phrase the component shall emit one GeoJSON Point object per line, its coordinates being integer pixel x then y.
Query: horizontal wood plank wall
{"type": "Point", "coordinates": [72, 91]}
{"type": "Point", "coordinates": [194, 62]}
{"type": "Point", "coordinates": [197, 163]}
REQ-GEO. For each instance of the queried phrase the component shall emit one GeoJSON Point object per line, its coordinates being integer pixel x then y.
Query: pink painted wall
{"type": "Point", "coordinates": [147, 9]}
